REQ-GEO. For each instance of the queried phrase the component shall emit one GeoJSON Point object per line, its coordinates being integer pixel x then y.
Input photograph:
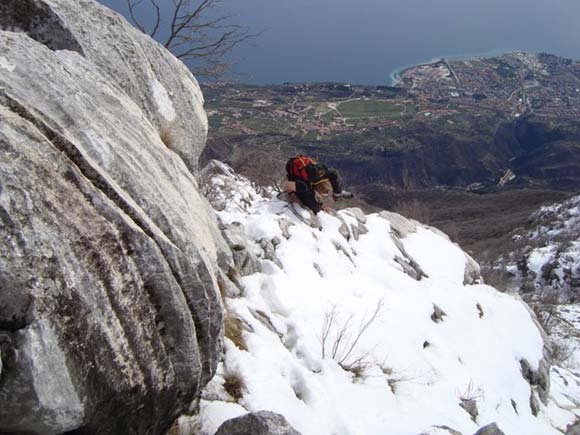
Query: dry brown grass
{"type": "Point", "coordinates": [234, 330]}
{"type": "Point", "coordinates": [167, 136]}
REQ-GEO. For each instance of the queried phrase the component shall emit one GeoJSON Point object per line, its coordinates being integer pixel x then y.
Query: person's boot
{"type": "Point", "coordinates": [343, 195]}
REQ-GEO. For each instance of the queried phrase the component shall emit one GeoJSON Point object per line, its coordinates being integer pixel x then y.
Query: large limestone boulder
{"type": "Point", "coordinates": [110, 315]}
{"type": "Point", "coordinates": [158, 84]}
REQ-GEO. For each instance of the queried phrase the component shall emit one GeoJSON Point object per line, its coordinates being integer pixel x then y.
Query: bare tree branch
{"type": "Point", "coordinates": [194, 31]}
{"type": "Point", "coordinates": [132, 5]}
{"type": "Point", "coordinates": [157, 18]}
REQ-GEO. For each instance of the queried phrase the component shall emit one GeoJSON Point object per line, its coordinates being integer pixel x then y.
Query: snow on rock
{"type": "Point", "coordinates": [544, 266]}
{"type": "Point", "coordinates": [163, 101]}
{"type": "Point", "coordinates": [340, 338]}
{"type": "Point", "coordinates": [547, 254]}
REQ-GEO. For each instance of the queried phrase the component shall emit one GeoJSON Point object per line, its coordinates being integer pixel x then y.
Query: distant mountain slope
{"type": "Point", "coordinates": [458, 124]}
{"type": "Point", "coordinates": [546, 253]}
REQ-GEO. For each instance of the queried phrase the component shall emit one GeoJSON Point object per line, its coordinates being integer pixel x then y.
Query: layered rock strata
{"type": "Point", "coordinates": [110, 315]}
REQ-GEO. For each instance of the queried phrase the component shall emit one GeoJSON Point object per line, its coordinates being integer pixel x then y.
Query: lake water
{"type": "Point", "coordinates": [363, 41]}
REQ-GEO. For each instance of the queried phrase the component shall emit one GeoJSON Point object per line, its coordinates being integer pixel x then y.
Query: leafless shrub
{"type": "Point", "coordinates": [339, 341]}
{"type": "Point", "coordinates": [544, 305]}
{"type": "Point", "coordinates": [561, 352]}
{"type": "Point", "coordinates": [414, 209]}
{"type": "Point", "coordinates": [470, 392]}
{"type": "Point", "coordinates": [197, 32]}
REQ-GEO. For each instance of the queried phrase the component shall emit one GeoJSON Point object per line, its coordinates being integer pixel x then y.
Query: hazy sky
{"type": "Point", "coordinates": [363, 41]}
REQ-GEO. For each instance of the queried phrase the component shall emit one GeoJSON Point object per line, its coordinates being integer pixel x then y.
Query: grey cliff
{"type": "Point", "coordinates": [110, 313]}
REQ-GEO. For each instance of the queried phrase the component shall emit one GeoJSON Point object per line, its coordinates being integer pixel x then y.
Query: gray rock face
{"type": "Point", "coordinates": [244, 259]}
{"type": "Point", "coordinates": [39, 21]}
{"type": "Point", "coordinates": [110, 315]}
{"type": "Point", "coordinates": [539, 379]}
{"type": "Point", "coordinates": [269, 251]}
{"type": "Point", "coordinates": [400, 225]}
{"type": "Point", "coordinates": [257, 423]}
{"type": "Point", "coordinates": [472, 273]}
{"type": "Point", "coordinates": [573, 429]}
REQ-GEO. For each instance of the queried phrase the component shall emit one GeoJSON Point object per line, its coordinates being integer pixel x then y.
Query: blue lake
{"type": "Point", "coordinates": [364, 41]}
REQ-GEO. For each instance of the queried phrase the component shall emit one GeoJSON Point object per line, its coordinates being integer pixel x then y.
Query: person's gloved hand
{"type": "Point", "coordinates": [343, 194]}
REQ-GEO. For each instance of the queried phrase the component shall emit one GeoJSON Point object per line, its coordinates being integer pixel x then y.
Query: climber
{"type": "Point", "coordinates": [312, 183]}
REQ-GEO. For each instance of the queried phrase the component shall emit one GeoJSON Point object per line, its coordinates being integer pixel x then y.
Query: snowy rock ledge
{"type": "Point", "coordinates": [374, 334]}
{"type": "Point", "coordinates": [546, 258]}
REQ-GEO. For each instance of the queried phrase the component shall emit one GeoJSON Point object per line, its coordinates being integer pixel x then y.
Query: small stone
{"type": "Point", "coordinates": [470, 406]}
{"type": "Point", "coordinates": [490, 429]}
{"type": "Point", "coordinates": [438, 314]}
{"type": "Point", "coordinates": [257, 423]}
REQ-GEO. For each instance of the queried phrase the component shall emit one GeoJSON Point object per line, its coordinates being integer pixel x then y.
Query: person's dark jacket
{"type": "Point", "coordinates": [305, 192]}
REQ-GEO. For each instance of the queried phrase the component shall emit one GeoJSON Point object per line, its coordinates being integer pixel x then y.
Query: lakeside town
{"type": "Point", "coordinates": [511, 85]}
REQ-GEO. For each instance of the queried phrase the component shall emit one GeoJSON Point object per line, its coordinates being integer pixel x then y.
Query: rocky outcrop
{"type": "Point", "coordinates": [544, 255]}
{"type": "Point", "coordinates": [226, 190]}
{"type": "Point", "coordinates": [245, 260]}
{"type": "Point", "coordinates": [257, 423]}
{"type": "Point", "coordinates": [110, 315]}
{"type": "Point", "coordinates": [573, 429]}
{"type": "Point", "coordinates": [538, 377]}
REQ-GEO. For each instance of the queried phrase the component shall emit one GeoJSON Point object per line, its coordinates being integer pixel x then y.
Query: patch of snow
{"type": "Point", "coordinates": [6, 65]}
{"type": "Point", "coordinates": [539, 257]}
{"type": "Point", "coordinates": [164, 103]}
{"type": "Point", "coordinates": [405, 374]}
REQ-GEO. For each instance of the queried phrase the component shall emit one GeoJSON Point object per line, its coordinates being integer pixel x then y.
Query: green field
{"type": "Point", "coordinates": [370, 109]}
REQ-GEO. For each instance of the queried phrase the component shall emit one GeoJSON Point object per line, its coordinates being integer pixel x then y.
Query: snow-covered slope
{"type": "Point", "coordinates": [371, 325]}
{"type": "Point", "coordinates": [547, 255]}
{"type": "Point", "coordinates": [544, 265]}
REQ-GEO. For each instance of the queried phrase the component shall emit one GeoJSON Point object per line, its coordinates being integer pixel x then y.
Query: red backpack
{"type": "Point", "coordinates": [303, 168]}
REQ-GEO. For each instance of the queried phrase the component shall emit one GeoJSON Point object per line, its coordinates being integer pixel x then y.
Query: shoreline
{"type": "Point", "coordinates": [394, 75]}
{"type": "Point", "coordinates": [393, 78]}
